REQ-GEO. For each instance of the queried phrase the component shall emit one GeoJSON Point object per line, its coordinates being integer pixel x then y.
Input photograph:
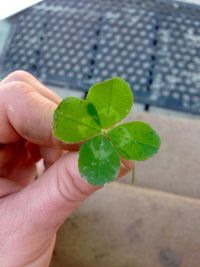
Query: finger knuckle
{"type": "Point", "coordinates": [18, 75]}
{"type": "Point", "coordinates": [21, 88]}
{"type": "Point", "coordinates": [15, 89]}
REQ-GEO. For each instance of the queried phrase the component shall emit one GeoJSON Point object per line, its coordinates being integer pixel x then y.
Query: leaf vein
{"type": "Point", "coordinates": [109, 102]}
{"type": "Point", "coordinates": [140, 143]}
{"type": "Point", "coordinates": [79, 123]}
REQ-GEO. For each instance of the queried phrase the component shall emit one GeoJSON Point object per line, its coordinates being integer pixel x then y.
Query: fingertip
{"type": "Point", "coordinates": [24, 76]}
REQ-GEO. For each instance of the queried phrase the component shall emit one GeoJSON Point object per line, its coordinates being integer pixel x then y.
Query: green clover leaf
{"type": "Point", "coordinates": [74, 121]}
{"type": "Point", "coordinates": [112, 99]}
{"type": "Point", "coordinates": [102, 163]}
{"type": "Point", "coordinates": [135, 140]}
{"type": "Point", "coordinates": [90, 121]}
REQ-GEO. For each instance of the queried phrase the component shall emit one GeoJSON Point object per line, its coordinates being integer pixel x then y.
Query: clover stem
{"type": "Point", "coordinates": [133, 176]}
{"type": "Point", "coordinates": [104, 131]}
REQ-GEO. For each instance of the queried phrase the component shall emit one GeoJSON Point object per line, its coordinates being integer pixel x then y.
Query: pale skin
{"type": "Point", "coordinates": [32, 210]}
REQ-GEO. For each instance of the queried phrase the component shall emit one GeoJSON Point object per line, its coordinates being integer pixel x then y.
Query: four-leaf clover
{"type": "Point", "coordinates": [92, 122]}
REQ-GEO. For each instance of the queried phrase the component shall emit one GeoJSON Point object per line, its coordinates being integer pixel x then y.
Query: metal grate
{"type": "Point", "coordinates": [25, 45]}
{"type": "Point", "coordinates": [125, 48]}
{"type": "Point", "coordinates": [154, 45]}
{"type": "Point", "coordinates": [176, 74]}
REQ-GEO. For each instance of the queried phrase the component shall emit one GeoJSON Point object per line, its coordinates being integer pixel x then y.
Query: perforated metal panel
{"type": "Point", "coordinates": [68, 53]}
{"type": "Point", "coordinates": [125, 49]}
{"type": "Point", "coordinates": [153, 44]}
{"type": "Point", "coordinates": [25, 45]}
{"type": "Point", "coordinates": [176, 75]}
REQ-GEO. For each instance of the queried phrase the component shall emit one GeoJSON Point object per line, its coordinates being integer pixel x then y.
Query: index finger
{"type": "Point", "coordinates": [25, 113]}
{"type": "Point", "coordinates": [23, 76]}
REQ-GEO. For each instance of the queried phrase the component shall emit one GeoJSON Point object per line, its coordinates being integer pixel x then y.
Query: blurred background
{"type": "Point", "coordinates": [70, 44]}
{"type": "Point", "coordinates": [155, 46]}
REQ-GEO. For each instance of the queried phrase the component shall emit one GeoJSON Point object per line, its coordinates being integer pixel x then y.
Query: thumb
{"type": "Point", "coordinates": [56, 194]}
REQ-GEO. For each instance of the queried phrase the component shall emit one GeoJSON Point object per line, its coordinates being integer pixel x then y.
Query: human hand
{"type": "Point", "coordinates": [32, 210]}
